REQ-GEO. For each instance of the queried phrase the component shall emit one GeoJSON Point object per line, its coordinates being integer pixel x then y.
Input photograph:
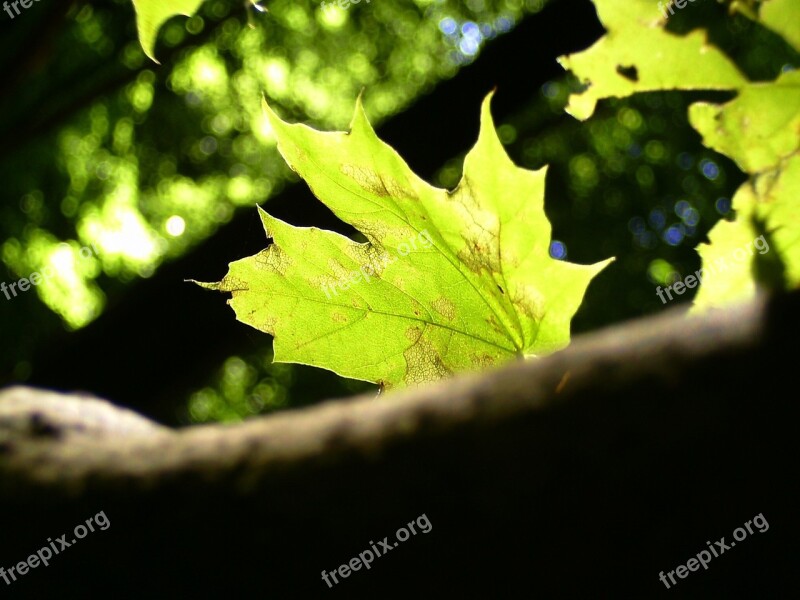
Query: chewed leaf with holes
{"type": "Point", "coordinates": [638, 55]}
{"type": "Point", "coordinates": [152, 14]}
{"type": "Point", "coordinates": [447, 281]}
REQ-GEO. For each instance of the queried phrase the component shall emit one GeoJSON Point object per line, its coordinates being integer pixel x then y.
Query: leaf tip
{"type": "Point", "coordinates": [205, 285]}
{"type": "Point", "coordinates": [487, 121]}
{"type": "Point", "coordinates": [487, 103]}
{"type": "Point", "coordinates": [272, 116]}
{"type": "Point", "coordinates": [147, 41]}
{"type": "Point", "coordinates": [266, 221]}
{"type": "Point", "coordinates": [360, 119]}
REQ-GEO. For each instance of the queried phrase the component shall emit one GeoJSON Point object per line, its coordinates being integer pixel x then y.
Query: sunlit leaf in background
{"type": "Point", "coordinates": [758, 129]}
{"type": "Point", "coordinates": [781, 17]}
{"type": "Point", "coordinates": [152, 14]}
{"type": "Point", "coordinates": [639, 55]}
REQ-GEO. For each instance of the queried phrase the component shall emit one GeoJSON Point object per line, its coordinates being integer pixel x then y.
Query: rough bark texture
{"type": "Point", "coordinates": [583, 474]}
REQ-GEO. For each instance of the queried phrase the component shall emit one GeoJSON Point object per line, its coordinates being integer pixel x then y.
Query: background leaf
{"type": "Point", "coordinates": [152, 14]}
{"type": "Point", "coordinates": [759, 129]}
{"type": "Point", "coordinates": [781, 16]}
{"type": "Point", "coordinates": [638, 55]}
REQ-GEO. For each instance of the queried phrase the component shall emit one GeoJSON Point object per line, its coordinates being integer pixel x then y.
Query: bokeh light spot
{"type": "Point", "coordinates": [558, 250]}
{"type": "Point", "coordinates": [175, 226]}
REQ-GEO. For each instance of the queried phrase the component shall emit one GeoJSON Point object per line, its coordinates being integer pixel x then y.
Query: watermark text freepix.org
{"type": "Point", "coordinates": [368, 271]}
{"type": "Point", "coordinates": [669, 6]}
{"type": "Point", "coordinates": [7, 6]}
{"type": "Point", "coordinates": [366, 557]}
{"type": "Point", "coordinates": [704, 556]}
{"type": "Point", "coordinates": [719, 266]}
{"type": "Point", "coordinates": [34, 279]}
{"type": "Point", "coordinates": [45, 553]}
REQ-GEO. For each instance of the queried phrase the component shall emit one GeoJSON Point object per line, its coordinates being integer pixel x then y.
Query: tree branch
{"type": "Point", "coordinates": [632, 446]}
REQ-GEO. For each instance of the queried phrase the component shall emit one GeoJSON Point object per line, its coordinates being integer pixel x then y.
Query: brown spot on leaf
{"type": "Point", "coordinates": [233, 284]}
{"type": "Point", "coordinates": [267, 323]}
{"type": "Point", "coordinates": [530, 302]}
{"type": "Point", "coordinates": [496, 325]}
{"type": "Point", "coordinates": [482, 361]}
{"type": "Point", "coordinates": [274, 259]}
{"type": "Point", "coordinates": [444, 307]}
{"type": "Point", "coordinates": [423, 361]}
{"type": "Point", "coordinates": [378, 184]}
{"type": "Point", "coordinates": [480, 252]}
{"type": "Point", "coordinates": [370, 259]}
{"type": "Point", "coordinates": [339, 271]}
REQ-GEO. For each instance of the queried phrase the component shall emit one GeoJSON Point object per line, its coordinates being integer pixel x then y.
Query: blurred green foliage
{"type": "Point", "coordinates": [101, 146]}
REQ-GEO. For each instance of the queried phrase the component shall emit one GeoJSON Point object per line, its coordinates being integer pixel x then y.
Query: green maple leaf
{"type": "Point", "coordinates": [448, 281]}
{"type": "Point", "coordinates": [152, 14]}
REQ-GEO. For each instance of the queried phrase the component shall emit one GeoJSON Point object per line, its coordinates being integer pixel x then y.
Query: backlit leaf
{"type": "Point", "coordinates": [448, 281]}
{"type": "Point", "coordinates": [152, 14]}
